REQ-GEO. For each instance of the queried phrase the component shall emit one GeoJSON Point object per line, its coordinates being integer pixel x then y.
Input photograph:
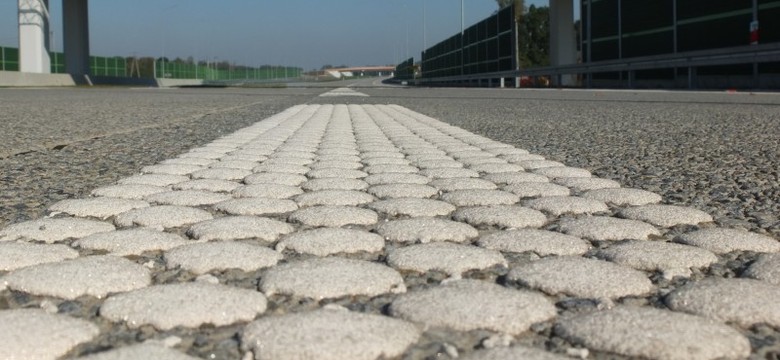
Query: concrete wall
{"type": "Point", "coordinates": [15, 78]}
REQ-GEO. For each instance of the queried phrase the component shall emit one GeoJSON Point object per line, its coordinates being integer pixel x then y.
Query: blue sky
{"type": "Point", "coordinates": [306, 33]}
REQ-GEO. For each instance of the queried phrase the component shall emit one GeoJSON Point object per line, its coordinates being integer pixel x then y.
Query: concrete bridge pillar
{"type": "Point", "coordinates": [75, 26]}
{"type": "Point", "coordinates": [563, 45]}
{"type": "Point", "coordinates": [34, 36]}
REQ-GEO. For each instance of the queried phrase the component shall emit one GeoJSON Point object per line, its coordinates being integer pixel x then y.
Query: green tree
{"type": "Point", "coordinates": [534, 37]}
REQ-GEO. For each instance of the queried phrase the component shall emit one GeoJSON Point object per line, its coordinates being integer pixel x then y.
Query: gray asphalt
{"type": "Point", "coordinates": [716, 151]}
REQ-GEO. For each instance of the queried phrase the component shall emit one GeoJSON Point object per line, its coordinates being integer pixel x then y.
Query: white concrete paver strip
{"type": "Point", "coordinates": [766, 268]}
{"type": "Point", "coordinates": [541, 242]}
{"type": "Point", "coordinates": [502, 216]}
{"type": "Point", "coordinates": [425, 230]}
{"type": "Point", "coordinates": [368, 156]}
{"type": "Point", "coordinates": [15, 255]}
{"type": "Point", "coordinates": [140, 351]}
{"type": "Point", "coordinates": [413, 207]}
{"type": "Point", "coordinates": [582, 277]}
{"type": "Point", "coordinates": [669, 258]}
{"type": "Point", "coordinates": [164, 216]}
{"type": "Point", "coordinates": [201, 258]}
{"type": "Point", "coordinates": [92, 275]}
{"type": "Point", "coordinates": [186, 304]}
{"type": "Point", "coordinates": [273, 191]}
{"type": "Point", "coordinates": [722, 240]}
{"type": "Point", "coordinates": [133, 192]}
{"type": "Point", "coordinates": [35, 334]}
{"type": "Point", "coordinates": [256, 206]}
{"type": "Point", "coordinates": [320, 335]}
{"type": "Point", "coordinates": [604, 228]}
{"type": "Point", "coordinates": [453, 259]}
{"type": "Point", "coordinates": [623, 196]}
{"type": "Point", "coordinates": [559, 205]}
{"type": "Point", "coordinates": [653, 333]}
{"type": "Point", "coordinates": [330, 241]}
{"type": "Point", "coordinates": [451, 305]}
{"type": "Point", "coordinates": [331, 277]}
{"type": "Point", "coordinates": [52, 230]}
{"type": "Point", "coordinates": [99, 207]}
{"type": "Point", "coordinates": [239, 227]}
{"type": "Point", "coordinates": [130, 242]}
{"type": "Point", "coordinates": [333, 216]}
{"type": "Point", "coordinates": [746, 302]}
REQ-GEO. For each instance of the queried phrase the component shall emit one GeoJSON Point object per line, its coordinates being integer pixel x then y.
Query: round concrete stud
{"type": "Point", "coordinates": [133, 192]}
{"type": "Point", "coordinates": [270, 191]}
{"type": "Point", "coordinates": [330, 241]}
{"type": "Point", "coordinates": [51, 230]}
{"type": "Point", "coordinates": [35, 334]}
{"type": "Point", "coordinates": [666, 215]}
{"type": "Point", "coordinates": [502, 216]}
{"type": "Point", "coordinates": [15, 255]}
{"type": "Point", "coordinates": [721, 241]}
{"type": "Point", "coordinates": [453, 259]}
{"type": "Point", "coordinates": [153, 180]}
{"type": "Point", "coordinates": [766, 268]}
{"type": "Point", "coordinates": [452, 306]}
{"type": "Point", "coordinates": [333, 198]}
{"type": "Point", "coordinates": [541, 242]}
{"type": "Point", "coordinates": [95, 276]}
{"type": "Point", "coordinates": [221, 174]}
{"type": "Point", "coordinates": [480, 197]}
{"type": "Point", "coordinates": [746, 302]}
{"type": "Point", "coordinates": [334, 184]}
{"type": "Point", "coordinates": [187, 305]}
{"type": "Point", "coordinates": [671, 259]}
{"type": "Point", "coordinates": [581, 277]}
{"type": "Point", "coordinates": [207, 185]}
{"type": "Point", "coordinates": [290, 336]}
{"type": "Point", "coordinates": [130, 242]}
{"type": "Point", "coordinates": [646, 332]}
{"type": "Point", "coordinates": [559, 205]}
{"type": "Point", "coordinates": [426, 230]}
{"type": "Point", "coordinates": [331, 277]}
{"type": "Point", "coordinates": [164, 216]}
{"type": "Point", "coordinates": [334, 216]}
{"type": "Point", "coordinates": [563, 172]}
{"type": "Point", "coordinates": [623, 196]}
{"type": "Point", "coordinates": [392, 191]}
{"type": "Point", "coordinates": [537, 189]}
{"type": "Point", "coordinates": [414, 207]}
{"type": "Point", "coordinates": [187, 198]}
{"type": "Point", "coordinates": [275, 178]}
{"type": "Point", "coordinates": [603, 228]}
{"type": "Point", "coordinates": [515, 178]}
{"type": "Point", "coordinates": [256, 206]}
{"type": "Point", "coordinates": [586, 183]}
{"type": "Point", "coordinates": [201, 258]}
{"type": "Point", "coordinates": [239, 227]}
{"type": "Point", "coordinates": [396, 178]}
{"type": "Point", "coordinates": [454, 184]}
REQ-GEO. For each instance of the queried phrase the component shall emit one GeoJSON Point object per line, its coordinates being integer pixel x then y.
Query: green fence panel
{"type": "Point", "coordinates": [9, 57]}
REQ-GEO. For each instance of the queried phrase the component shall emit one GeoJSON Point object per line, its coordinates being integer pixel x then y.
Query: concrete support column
{"type": "Point", "coordinates": [34, 36]}
{"type": "Point", "coordinates": [563, 49]}
{"type": "Point", "coordinates": [75, 26]}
